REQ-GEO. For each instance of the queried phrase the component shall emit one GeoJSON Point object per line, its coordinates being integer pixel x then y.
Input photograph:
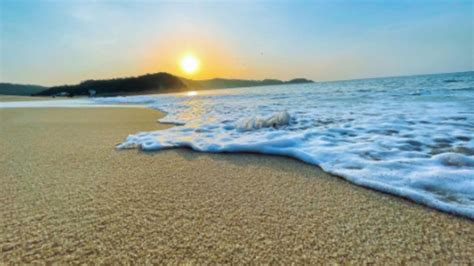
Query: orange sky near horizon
{"type": "Point", "coordinates": [216, 60]}
{"type": "Point", "coordinates": [66, 42]}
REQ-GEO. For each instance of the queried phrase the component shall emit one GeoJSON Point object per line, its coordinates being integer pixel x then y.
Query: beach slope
{"type": "Point", "coordinates": [68, 196]}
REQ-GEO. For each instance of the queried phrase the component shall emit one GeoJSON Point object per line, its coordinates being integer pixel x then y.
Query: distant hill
{"type": "Point", "coordinates": [220, 83]}
{"type": "Point", "coordinates": [19, 89]}
{"type": "Point", "coordinates": [146, 84]}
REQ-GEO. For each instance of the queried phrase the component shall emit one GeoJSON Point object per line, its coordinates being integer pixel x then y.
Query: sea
{"type": "Point", "coordinates": [412, 136]}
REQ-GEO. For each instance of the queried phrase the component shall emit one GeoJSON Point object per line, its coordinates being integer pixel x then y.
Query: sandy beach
{"type": "Point", "coordinates": [68, 196]}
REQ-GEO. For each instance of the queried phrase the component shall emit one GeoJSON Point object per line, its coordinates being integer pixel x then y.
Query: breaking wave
{"type": "Point", "coordinates": [408, 136]}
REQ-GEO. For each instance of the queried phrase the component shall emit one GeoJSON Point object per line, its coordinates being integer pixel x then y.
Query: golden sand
{"type": "Point", "coordinates": [66, 195]}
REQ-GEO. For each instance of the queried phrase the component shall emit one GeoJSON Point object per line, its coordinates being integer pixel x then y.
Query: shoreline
{"type": "Point", "coordinates": [70, 196]}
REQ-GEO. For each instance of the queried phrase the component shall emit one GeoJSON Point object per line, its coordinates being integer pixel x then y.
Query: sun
{"type": "Point", "coordinates": [189, 64]}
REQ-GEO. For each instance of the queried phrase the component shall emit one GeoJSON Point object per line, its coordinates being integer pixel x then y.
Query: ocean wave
{"type": "Point", "coordinates": [420, 148]}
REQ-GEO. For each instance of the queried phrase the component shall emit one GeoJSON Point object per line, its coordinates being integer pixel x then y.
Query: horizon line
{"type": "Point", "coordinates": [315, 81]}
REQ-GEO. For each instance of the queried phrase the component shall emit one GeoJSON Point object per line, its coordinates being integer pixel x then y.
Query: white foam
{"type": "Point", "coordinates": [412, 137]}
{"type": "Point", "coordinates": [275, 120]}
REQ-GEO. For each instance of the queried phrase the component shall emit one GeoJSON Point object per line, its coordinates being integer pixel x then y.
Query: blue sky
{"type": "Point", "coordinates": [57, 42]}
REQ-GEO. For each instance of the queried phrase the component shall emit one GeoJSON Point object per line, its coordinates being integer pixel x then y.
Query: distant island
{"type": "Point", "coordinates": [20, 89]}
{"type": "Point", "coordinates": [146, 84]}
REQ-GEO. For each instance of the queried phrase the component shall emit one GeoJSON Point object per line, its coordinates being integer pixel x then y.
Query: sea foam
{"type": "Point", "coordinates": [275, 120]}
{"type": "Point", "coordinates": [408, 136]}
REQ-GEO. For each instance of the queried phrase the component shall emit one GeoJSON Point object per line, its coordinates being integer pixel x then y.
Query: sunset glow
{"type": "Point", "coordinates": [216, 131]}
{"type": "Point", "coordinates": [231, 40]}
{"type": "Point", "coordinates": [189, 64]}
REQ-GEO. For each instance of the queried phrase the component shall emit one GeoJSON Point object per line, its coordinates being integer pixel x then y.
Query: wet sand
{"type": "Point", "coordinates": [14, 98]}
{"type": "Point", "coordinates": [68, 196]}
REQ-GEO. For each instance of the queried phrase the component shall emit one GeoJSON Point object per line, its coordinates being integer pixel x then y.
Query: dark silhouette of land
{"type": "Point", "coordinates": [20, 89]}
{"type": "Point", "coordinates": [220, 83]}
{"type": "Point", "coordinates": [145, 84]}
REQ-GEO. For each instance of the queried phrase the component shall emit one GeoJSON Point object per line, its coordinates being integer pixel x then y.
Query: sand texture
{"type": "Point", "coordinates": [67, 196]}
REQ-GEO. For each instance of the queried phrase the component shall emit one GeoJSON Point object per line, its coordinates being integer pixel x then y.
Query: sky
{"type": "Point", "coordinates": [64, 42]}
